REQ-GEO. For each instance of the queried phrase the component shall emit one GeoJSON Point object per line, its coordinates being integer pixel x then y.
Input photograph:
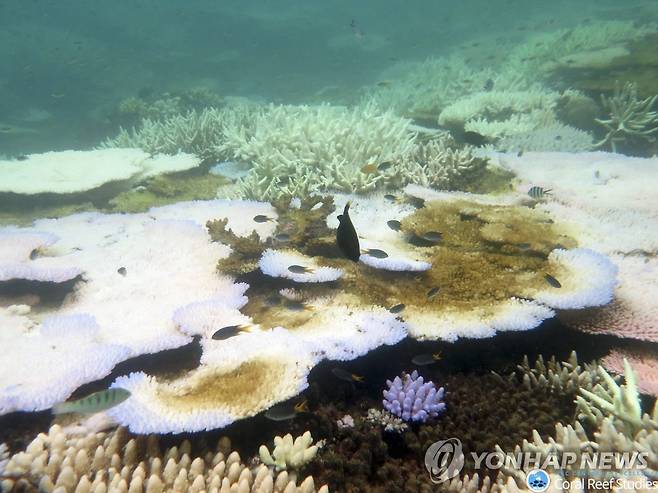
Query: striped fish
{"type": "Point", "coordinates": [93, 403]}
{"type": "Point", "coordinates": [538, 192]}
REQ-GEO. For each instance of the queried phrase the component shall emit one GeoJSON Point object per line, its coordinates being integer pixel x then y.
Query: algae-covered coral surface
{"type": "Point", "coordinates": [311, 247]}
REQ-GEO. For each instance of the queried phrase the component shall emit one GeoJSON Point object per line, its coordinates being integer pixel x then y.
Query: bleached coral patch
{"type": "Point", "coordinates": [230, 384]}
{"type": "Point", "coordinates": [286, 264]}
{"type": "Point", "coordinates": [17, 248]}
{"type": "Point", "coordinates": [511, 315]}
{"type": "Point", "coordinates": [396, 264]}
{"type": "Point", "coordinates": [587, 279]}
{"type": "Point", "coordinates": [42, 366]}
{"type": "Point", "coordinates": [78, 171]}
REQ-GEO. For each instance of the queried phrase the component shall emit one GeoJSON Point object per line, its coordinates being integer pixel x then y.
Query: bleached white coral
{"type": "Point", "coordinates": [555, 137]}
{"type": "Point", "coordinates": [497, 114]}
{"type": "Point", "coordinates": [42, 366]}
{"type": "Point", "coordinates": [589, 279]}
{"type": "Point", "coordinates": [289, 453]}
{"type": "Point", "coordinates": [17, 251]}
{"type": "Point", "coordinates": [302, 150]}
{"type": "Point", "coordinates": [116, 461]}
{"type": "Point", "coordinates": [289, 265]}
{"type": "Point", "coordinates": [79, 171]}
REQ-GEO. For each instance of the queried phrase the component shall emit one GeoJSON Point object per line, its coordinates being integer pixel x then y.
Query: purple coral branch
{"type": "Point", "coordinates": [411, 398]}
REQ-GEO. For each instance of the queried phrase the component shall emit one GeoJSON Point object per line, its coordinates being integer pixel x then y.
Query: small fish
{"type": "Point", "coordinates": [286, 411]}
{"type": "Point", "coordinates": [432, 236]}
{"type": "Point", "coordinates": [346, 237]}
{"type": "Point", "coordinates": [426, 359]}
{"type": "Point", "coordinates": [369, 169]}
{"type": "Point", "coordinates": [474, 138]}
{"type": "Point", "coordinates": [375, 252]}
{"type": "Point", "coordinates": [295, 305]}
{"type": "Point", "coordinates": [431, 294]}
{"type": "Point", "coordinates": [229, 331]}
{"type": "Point", "coordinates": [552, 281]}
{"type": "Point", "coordinates": [343, 374]}
{"type": "Point", "coordinates": [397, 308]}
{"type": "Point", "coordinates": [385, 166]}
{"type": "Point", "coordinates": [261, 218]}
{"type": "Point", "coordinates": [123, 271]}
{"type": "Point", "coordinates": [520, 153]}
{"type": "Point", "coordinates": [300, 269]}
{"type": "Point", "coordinates": [488, 85]}
{"type": "Point", "coordinates": [356, 30]}
{"type": "Point", "coordinates": [93, 403]}
{"type": "Point", "coordinates": [384, 83]}
{"type": "Point", "coordinates": [538, 192]}
{"type": "Point", "coordinates": [394, 224]}
{"type": "Point", "coordinates": [282, 237]}
{"type": "Point", "coordinates": [392, 198]}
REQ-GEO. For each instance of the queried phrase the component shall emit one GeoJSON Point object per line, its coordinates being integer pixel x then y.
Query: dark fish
{"type": "Point", "coordinates": [299, 269]}
{"type": "Point", "coordinates": [394, 224]}
{"type": "Point", "coordinates": [520, 153]}
{"type": "Point", "coordinates": [94, 403]}
{"type": "Point", "coordinates": [346, 375]}
{"type": "Point", "coordinates": [538, 192]}
{"type": "Point", "coordinates": [295, 306]}
{"type": "Point", "coordinates": [228, 332]}
{"type": "Point", "coordinates": [432, 236]}
{"type": "Point", "coordinates": [431, 294]}
{"type": "Point", "coordinates": [426, 359]}
{"type": "Point", "coordinates": [346, 236]}
{"type": "Point", "coordinates": [474, 138]}
{"type": "Point", "coordinates": [123, 271]}
{"type": "Point", "coordinates": [374, 252]}
{"type": "Point", "coordinates": [261, 218]}
{"type": "Point", "coordinates": [397, 308]}
{"type": "Point", "coordinates": [392, 198]}
{"type": "Point", "coordinates": [384, 166]}
{"type": "Point", "coordinates": [282, 237]}
{"type": "Point", "coordinates": [488, 85]}
{"type": "Point", "coordinates": [22, 157]}
{"type": "Point", "coordinates": [286, 411]}
{"type": "Point", "coordinates": [273, 300]}
{"type": "Point", "coordinates": [552, 281]}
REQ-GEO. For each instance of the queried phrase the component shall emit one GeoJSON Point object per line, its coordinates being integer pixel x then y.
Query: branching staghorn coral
{"type": "Point", "coordinates": [615, 414]}
{"type": "Point", "coordinates": [558, 376]}
{"type": "Point", "coordinates": [629, 117]}
{"type": "Point", "coordinates": [198, 132]}
{"type": "Point", "coordinates": [619, 403]}
{"type": "Point", "coordinates": [303, 150]}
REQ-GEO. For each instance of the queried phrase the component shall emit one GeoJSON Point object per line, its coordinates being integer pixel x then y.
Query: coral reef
{"type": "Point", "coordinates": [388, 421]}
{"type": "Point", "coordinates": [169, 263]}
{"type": "Point", "coordinates": [413, 399]}
{"type": "Point", "coordinates": [289, 454]}
{"type": "Point", "coordinates": [629, 117]}
{"type": "Point", "coordinates": [605, 201]}
{"type": "Point", "coordinates": [497, 114]}
{"type": "Point", "coordinates": [643, 363]}
{"type": "Point", "coordinates": [118, 462]}
{"type": "Point", "coordinates": [558, 376]}
{"type": "Point", "coordinates": [67, 172]}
